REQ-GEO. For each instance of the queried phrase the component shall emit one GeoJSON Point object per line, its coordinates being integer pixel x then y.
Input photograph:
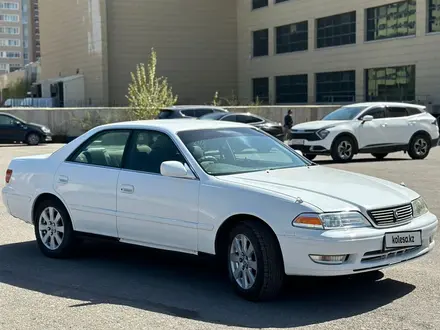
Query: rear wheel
{"type": "Point", "coordinates": [419, 147]}
{"type": "Point", "coordinates": [255, 263]}
{"type": "Point", "coordinates": [53, 230]}
{"type": "Point", "coordinates": [32, 139]}
{"type": "Point", "coordinates": [343, 149]}
{"type": "Point", "coordinates": [310, 157]}
{"type": "Point", "coordinates": [379, 156]}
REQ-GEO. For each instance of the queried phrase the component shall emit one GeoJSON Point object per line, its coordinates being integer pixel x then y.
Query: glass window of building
{"type": "Point", "coordinates": [336, 30]}
{"type": "Point", "coordinates": [260, 91]}
{"type": "Point", "coordinates": [391, 21]}
{"type": "Point", "coordinates": [336, 87]}
{"type": "Point", "coordinates": [259, 3]}
{"type": "Point", "coordinates": [292, 37]}
{"type": "Point", "coordinates": [391, 84]}
{"type": "Point", "coordinates": [291, 89]}
{"type": "Point", "coordinates": [261, 43]}
{"type": "Point", "coordinates": [434, 16]}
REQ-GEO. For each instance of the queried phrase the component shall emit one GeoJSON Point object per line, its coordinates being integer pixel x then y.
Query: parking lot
{"type": "Point", "coordinates": [111, 286]}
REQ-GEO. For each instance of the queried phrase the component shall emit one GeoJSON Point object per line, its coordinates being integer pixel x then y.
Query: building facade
{"type": "Point", "coordinates": [281, 51]}
{"type": "Point", "coordinates": [196, 45]}
{"type": "Point", "coordinates": [338, 51]}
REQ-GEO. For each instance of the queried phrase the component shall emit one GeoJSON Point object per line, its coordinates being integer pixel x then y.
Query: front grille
{"type": "Point", "coordinates": [389, 217]}
{"type": "Point", "coordinates": [309, 135]}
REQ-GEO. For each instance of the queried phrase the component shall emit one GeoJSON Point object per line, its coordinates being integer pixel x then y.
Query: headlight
{"type": "Point", "coordinates": [323, 133]}
{"type": "Point", "coordinates": [336, 220]}
{"type": "Point", "coordinates": [45, 129]}
{"type": "Point", "coordinates": [419, 207]}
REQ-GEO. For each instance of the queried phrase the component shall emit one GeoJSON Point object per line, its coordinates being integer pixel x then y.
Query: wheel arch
{"type": "Point", "coordinates": [423, 133]}
{"type": "Point", "coordinates": [350, 135]}
{"type": "Point", "coordinates": [229, 223]}
{"type": "Point", "coordinates": [45, 197]}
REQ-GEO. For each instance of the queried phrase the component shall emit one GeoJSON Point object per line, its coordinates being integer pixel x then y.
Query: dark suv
{"type": "Point", "coordinates": [188, 111]}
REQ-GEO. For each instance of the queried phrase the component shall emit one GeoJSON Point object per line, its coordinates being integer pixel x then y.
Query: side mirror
{"type": "Point", "coordinates": [367, 118]}
{"type": "Point", "coordinates": [175, 169]}
{"type": "Point", "coordinates": [17, 123]}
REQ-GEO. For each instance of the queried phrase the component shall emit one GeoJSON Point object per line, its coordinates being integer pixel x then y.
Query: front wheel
{"type": "Point", "coordinates": [33, 139]}
{"type": "Point", "coordinates": [343, 149]}
{"type": "Point", "coordinates": [419, 147]}
{"type": "Point", "coordinates": [255, 263]}
{"type": "Point", "coordinates": [379, 156]}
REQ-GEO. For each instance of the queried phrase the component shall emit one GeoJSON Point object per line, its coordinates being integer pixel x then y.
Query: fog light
{"type": "Point", "coordinates": [332, 260]}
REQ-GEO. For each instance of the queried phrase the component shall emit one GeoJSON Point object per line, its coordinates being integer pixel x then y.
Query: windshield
{"type": "Point", "coordinates": [344, 113]}
{"type": "Point", "coordinates": [238, 150]}
{"type": "Point", "coordinates": [213, 116]}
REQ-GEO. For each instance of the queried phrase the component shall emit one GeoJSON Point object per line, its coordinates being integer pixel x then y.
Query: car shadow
{"type": "Point", "coordinates": [187, 286]}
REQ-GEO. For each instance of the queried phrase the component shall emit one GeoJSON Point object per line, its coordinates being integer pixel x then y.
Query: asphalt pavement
{"type": "Point", "coordinates": [115, 286]}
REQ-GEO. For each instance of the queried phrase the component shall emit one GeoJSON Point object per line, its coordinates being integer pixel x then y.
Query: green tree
{"type": "Point", "coordinates": [147, 93]}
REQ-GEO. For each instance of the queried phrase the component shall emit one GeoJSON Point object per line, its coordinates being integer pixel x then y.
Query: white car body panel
{"type": "Point", "coordinates": [378, 133]}
{"type": "Point", "coordinates": [185, 214]}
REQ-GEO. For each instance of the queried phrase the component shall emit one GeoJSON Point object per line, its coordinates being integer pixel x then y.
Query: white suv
{"type": "Point", "coordinates": [375, 128]}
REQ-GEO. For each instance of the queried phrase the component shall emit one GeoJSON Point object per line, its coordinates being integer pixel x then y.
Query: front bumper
{"type": "Point", "coordinates": [47, 138]}
{"type": "Point", "coordinates": [364, 247]}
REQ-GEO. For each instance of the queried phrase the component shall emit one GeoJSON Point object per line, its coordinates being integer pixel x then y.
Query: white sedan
{"type": "Point", "coordinates": [220, 188]}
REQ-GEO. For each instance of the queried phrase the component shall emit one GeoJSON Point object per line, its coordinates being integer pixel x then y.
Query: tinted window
{"type": "Point", "coordinates": [397, 112]}
{"type": "Point", "coordinates": [149, 149]}
{"type": "Point", "coordinates": [291, 89]}
{"type": "Point", "coordinates": [201, 112]}
{"type": "Point", "coordinates": [292, 37]}
{"type": "Point", "coordinates": [434, 16]}
{"type": "Point", "coordinates": [6, 120]}
{"type": "Point", "coordinates": [260, 87]}
{"type": "Point", "coordinates": [261, 42]}
{"type": "Point", "coordinates": [188, 112]}
{"type": "Point", "coordinates": [412, 111]}
{"type": "Point", "coordinates": [164, 114]}
{"type": "Point", "coordinates": [377, 113]}
{"type": "Point", "coordinates": [213, 116]}
{"type": "Point", "coordinates": [230, 118]}
{"type": "Point", "coordinates": [103, 149]}
{"type": "Point", "coordinates": [247, 119]}
{"type": "Point", "coordinates": [336, 30]}
{"type": "Point", "coordinates": [238, 150]}
{"type": "Point", "coordinates": [334, 87]}
{"type": "Point", "coordinates": [344, 113]}
{"type": "Point", "coordinates": [259, 3]}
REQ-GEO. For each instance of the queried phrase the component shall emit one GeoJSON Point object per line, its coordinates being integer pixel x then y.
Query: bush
{"type": "Point", "coordinates": [147, 93]}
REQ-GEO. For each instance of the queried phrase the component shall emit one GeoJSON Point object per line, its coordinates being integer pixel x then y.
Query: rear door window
{"type": "Point", "coordinates": [201, 112]}
{"type": "Point", "coordinates": [395, 112]}
{"type": "Point", "coordinates": [188, 112]}
{"type": "Point", "coordinates": [413, 111]}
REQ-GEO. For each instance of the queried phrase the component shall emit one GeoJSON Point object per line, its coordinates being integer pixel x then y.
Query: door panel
{"type": "Point", "coordinates": [399, 130]}
{"type": "Point", "coordinates": [372, 133]}
{"type": "Point", "coordinates": [90, 193]}
{"type": "Point", "coordinates": [154, 210]}
{"type": "Point", "coordinates": [10, 130]}
{"type": "Point", "coordinates": [158, 211]}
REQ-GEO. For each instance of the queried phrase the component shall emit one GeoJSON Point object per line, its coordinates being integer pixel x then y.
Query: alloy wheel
{"type": "Point", "coordinates": [243, 261]}
{"type": "Point", "coordinates": [345, 150]}
{"type": "Point", "coordinates": [51, 228]}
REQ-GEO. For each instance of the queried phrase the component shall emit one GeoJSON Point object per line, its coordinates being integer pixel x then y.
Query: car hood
{"type": "Point", "coordinates": [326, 188]}
{"type": "Point", "coordinates": [319, 124]}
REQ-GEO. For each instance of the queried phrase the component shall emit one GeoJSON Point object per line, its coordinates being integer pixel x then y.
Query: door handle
{"type": "Point", "coordinates": [63, 179]}
{"type": "Point", "coordinates": [127, 189]}
{"type": "Point", "coordinates": [384, 125]}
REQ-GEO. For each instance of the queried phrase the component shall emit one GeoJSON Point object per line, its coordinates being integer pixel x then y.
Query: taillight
{"type": "Point", "coordinates": [8, 175]}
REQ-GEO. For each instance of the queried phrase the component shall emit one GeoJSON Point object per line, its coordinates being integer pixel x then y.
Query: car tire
{"type": "Point", "coordinates": [379, 156]}
{"type": "Point", "coordinates": [33, 139]}
{"type": "Point", "coordinates": [257, 271]}
{"type": "Point", "coordinates": [419, 147]}
{"type": "Point", "coordinates": [343, 149]}
{"type": "Point", "coordinates": [309, 156]}
{"type": "Point", "coordinates": [53, 230]}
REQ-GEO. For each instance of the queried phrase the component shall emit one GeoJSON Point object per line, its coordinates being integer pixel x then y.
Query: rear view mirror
{"type": "Point", "coordinates": [367, 118]}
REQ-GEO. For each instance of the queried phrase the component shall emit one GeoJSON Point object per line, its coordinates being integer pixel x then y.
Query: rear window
{"type": "Point", "coordinates": [164, 114]}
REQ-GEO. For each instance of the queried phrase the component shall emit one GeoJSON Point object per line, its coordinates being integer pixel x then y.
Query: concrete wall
{"type": "Point", "coordinates": [75, 121]}
{"type": "Point", "coordinates": [421, 49]}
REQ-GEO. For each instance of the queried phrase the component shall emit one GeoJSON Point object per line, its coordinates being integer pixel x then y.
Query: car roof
{"type": "Point", "coordinates": [184, 107]}
{"type": "Point", "coordinates": [390, 104]}
{"type": "Point", "coordinates": [174, 125]}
